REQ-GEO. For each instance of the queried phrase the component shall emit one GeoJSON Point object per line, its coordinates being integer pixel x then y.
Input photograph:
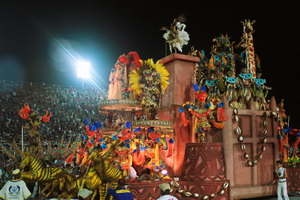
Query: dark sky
{"type": "Point", "coordinates": [39, 40]}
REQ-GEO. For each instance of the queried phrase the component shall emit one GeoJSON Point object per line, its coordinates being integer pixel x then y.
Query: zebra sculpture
{"type": "Point", "coordinates": [39, 173]}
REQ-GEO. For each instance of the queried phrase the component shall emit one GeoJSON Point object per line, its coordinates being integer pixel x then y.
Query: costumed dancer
{"type": "Point", "coordinates": [231, 85]}
{"type": "Point", "coordinates": [260, 92]}
{"type": "Point", "coordinates": [176, 36]}
{"type": "Point", "coordinates": [244, 93]}
{"type": "Point", "coordinates": [110, 93]}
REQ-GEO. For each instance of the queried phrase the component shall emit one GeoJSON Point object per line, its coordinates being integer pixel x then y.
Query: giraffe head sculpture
{"type": "Point", "coordinates": [247, 24]}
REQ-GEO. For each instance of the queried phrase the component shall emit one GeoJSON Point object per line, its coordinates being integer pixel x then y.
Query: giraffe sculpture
{"type": "Point", "coordinates": [247, 43]}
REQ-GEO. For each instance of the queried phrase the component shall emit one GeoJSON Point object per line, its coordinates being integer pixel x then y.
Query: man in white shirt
{"type": "Point", "coordinates": [281, 176]}
{"type": "Point", "coordinates": [165, 191]}
{"type": "Point", "coordinates": [15, 188]}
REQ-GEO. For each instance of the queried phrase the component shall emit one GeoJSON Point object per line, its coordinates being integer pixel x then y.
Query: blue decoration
{"type": "Point", "coordinates": [246, 76]}
{"type": "Point", "coordinates": [207, 105]}
{"type": "Point", "coordinates": [85, 137]}
{"type": "Point", "coordinates": [128, 124]}
{"type": "Point", "coordinates": [196, 88]}
{"type": "Point", "coordinates": [286, 130]}
{"type": "Point", "coordinates": [114, 137]}
{"type": "Point", "coordinates": [181, 109]}
{"type": "Point", "coordinates": [203, 88]}
{"type": "Point", "coordinates": [137, 129]}
{"type": "Point", "coordinates": [171, 141]}
{"type": "Point", "coordinates": [104, 146]}
{"type": "Point", "coordinates": [98, 124]}
{"type": "Point", "coordinates": [150, 130]}
{"type": "Point", "coordinates": [86, 121]}
{"type": "Point", "coordinates": [157, 139]}
{"type": "Point", "coordinates": [92, 127]}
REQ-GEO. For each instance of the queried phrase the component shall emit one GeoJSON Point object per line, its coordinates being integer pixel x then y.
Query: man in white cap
{"type": "Point", "coordinates": [165, 191]}
{"type": "Point", "coordinates": [15, 188]}
{"type": "Point", "coordinates": [85, 194]}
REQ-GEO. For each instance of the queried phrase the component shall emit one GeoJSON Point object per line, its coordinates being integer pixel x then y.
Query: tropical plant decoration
{"type": "Point", "coordinates": [149, 82]}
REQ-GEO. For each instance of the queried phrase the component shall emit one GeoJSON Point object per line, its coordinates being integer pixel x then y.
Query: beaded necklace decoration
{"type": "Point", "coordinates": [238, 132]}
{"type": "Point", "coordinates": [176, 186]}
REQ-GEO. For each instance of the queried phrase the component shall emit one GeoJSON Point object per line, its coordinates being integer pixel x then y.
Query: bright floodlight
{"type": "Point", "coordinates": [83, 69]}
{"type": "Point", "coordinates": [164, 172]}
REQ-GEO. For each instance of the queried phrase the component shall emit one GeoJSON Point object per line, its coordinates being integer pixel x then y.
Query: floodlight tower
{"type": "Point", "coordinates": [83, 69]}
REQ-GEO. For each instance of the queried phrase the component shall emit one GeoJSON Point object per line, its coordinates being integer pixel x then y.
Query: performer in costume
{"type": "Point", "coordinates": [260, 91]}
{"type": "Point", "coordinates": [15, 189]}
{"type": "Point", "coordinates": [244, 85]}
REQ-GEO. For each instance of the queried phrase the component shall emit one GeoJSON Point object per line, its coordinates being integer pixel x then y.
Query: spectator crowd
{"type": "Point", "coordinates": [69, 106]}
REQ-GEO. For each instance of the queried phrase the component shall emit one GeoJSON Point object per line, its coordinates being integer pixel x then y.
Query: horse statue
{"type": "Point", "coordinates": [176, 36]}
{"type": "Point", "coordinates": [38, 172]}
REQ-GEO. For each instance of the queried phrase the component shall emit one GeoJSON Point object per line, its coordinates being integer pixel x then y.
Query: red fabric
{"type": "Point", "coordinates": [70, 158]}
{"type": "Point", "coordinates": [123, 59]}
{"type": "Point", "coordinates": [154, 135]}
{"type": "Point", "coordinates": [136, 59]}
{"type": "Point", "coordinates": [170, 150]}
{"type": "Point", "coordinates": [24, 112]}
{"type": "Point", "coordinates": [218, 125]}
{"type": "Point", "coordinates": [183, 119]}
{"type": "Point", "coordinates": [138, 158]}
{"type": "Point", "coordinates": [221, 116]}
{"type": "Point", "coordinates": [295, 145]}
{"type": "Point", "coordinates": [294, 132]}
{"type": "Point", "coordinates": [89, 144]}
{"type": "Point", "coordinates": [47, 116]}
{"type": "Point", "coordinates": [78, 158]}
{"type": "Point", "coordinates": [201, 95]}
{"type": "Point", "coordinates": [126, 134]}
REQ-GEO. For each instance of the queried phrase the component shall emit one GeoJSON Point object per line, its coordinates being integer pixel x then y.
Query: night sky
{"type": "Point", "coordinates": [40, 40]}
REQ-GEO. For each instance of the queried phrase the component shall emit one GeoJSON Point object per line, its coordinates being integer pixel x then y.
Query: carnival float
{"type": "Point", "coordinates": [201, 122]}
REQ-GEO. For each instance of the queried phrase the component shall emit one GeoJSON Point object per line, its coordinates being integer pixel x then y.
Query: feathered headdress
{"type": "Point", "coordinates": [148, 68]}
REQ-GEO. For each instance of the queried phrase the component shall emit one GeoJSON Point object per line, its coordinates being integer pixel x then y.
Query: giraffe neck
{"type": "Point", "coordinates": [250, 55]}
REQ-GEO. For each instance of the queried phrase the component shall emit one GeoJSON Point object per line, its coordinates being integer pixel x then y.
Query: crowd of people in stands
{"type": "Point", "coordinates": [69, 106]}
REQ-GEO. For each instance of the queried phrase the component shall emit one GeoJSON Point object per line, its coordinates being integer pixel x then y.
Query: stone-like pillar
{"type": "Point", "coordinates": [180, 90]}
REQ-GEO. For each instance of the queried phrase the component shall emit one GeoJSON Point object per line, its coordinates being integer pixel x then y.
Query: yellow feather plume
{"type": "Point", "coordinates": [134, 82]}
{"type": "Point", "coordinates": [136, 76]}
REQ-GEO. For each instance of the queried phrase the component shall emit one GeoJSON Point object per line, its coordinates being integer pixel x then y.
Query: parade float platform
{"type": "Point", "coordinates": [245, 181]}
